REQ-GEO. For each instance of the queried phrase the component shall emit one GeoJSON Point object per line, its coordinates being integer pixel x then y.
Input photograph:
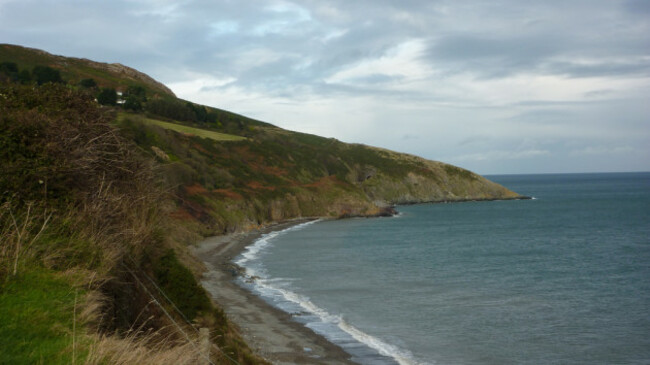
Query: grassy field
{"type": "Point", "coordinates": [203, 133]}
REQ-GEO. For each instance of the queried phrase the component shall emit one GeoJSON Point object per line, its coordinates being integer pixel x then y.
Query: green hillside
{"type": "Point", "coordinates": [101, 197]}
{"type": "Point", "coordinates": [181, 128]}
{"type": "Point", "coordinates": [74, 70]}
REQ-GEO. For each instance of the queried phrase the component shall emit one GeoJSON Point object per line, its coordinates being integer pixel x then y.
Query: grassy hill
{"type": "Point", "coordinates": [98, 204]}
{"type": "Point", "coordinates": [73, 70]}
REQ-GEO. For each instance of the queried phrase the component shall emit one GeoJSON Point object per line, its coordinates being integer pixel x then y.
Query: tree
{"type": "Point", "coordinates": [172, 109]}
{"type": "Point", "coordinates": [134, 97]}
{"type": "Point", "coordinates": [132, 103]}
{"type": "Point", "coordinates": [45, 74]}
{"type": "Point", "coordinates": [24, 77]}
{"type": "Point", "coordinates": [9, 71]}
{"type": "Point", "coordinates": [107, 96]}
{"type": "Point", "coordinates": [9, 68]}
{"type": "Point", "coordinates": [88, 83]}
{"type": "Point", "coordinates": [136, 91]}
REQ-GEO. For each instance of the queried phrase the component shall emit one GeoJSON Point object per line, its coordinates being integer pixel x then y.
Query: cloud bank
{"type": "Point", "coordinates": [496, 87]}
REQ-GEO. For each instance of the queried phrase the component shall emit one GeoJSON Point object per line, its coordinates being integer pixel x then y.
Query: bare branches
{"type": "Point", "coordinates": [19, 231]}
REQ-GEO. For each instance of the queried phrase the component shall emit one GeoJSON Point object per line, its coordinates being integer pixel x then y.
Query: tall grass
{"type": "Point", "coordinates": [82, 215]}
{"type": "Point", "coordinates": [140, 348]}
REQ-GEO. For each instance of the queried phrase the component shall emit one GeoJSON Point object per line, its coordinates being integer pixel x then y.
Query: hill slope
{"type": "Point", "coordinates": [76, 69]}
{"type": "Point", "coordinates": [99, 203]}
{"type": "Point", "coordinates": [276, 174]}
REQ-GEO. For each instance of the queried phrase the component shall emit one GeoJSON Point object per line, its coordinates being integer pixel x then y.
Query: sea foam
{"type": "Point", "coordinates": [333, 327]}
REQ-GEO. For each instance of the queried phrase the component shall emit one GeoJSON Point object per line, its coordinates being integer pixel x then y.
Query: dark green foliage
{"type": "Point", "coordinates": [24, 77]}
{"type": "Point", "coordinates": [179, 285]}
{"type": "Point", "coordinates": [88, 83]}
{"type": "Point", "coordinates": [136, 92]}
{"type": "Point", "coordinates": [45, 74]}
{"type": "Point", "coordinates": [132, 103]}
{"type": "Point", "coordinates": [9, 72]}
{"type": "Point", "coordinates": [200, 114]}
{"type": "Point", "coordinates": [9, 68]}
{"type": "Point", "coordinates": [171, 109]}
{"type": "Point", "coordinates": [107, 96]}
{"type": "Point", "coordinates": [134, 97]}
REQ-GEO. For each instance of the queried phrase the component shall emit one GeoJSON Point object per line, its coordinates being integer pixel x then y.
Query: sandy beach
{"type": "Point", "coordinates": [270, 332]}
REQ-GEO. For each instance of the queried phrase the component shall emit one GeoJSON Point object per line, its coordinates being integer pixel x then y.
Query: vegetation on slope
{"type": "Point", "coordinates": [99, 203]}
{"type": "Point", "coordinates": [86, 243]}
{"type": "Point", "coordinates": [183, 129]}
{"type": "Point", "coordinates": [276, 174]}
{"type": "Point", "coordinates": [76, 71]}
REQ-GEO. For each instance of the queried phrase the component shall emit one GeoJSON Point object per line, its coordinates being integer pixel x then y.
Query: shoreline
{"type": "Point", "coordinates": [270, 332]}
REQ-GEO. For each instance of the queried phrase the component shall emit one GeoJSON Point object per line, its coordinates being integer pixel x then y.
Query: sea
{"type": "Point", "coordinates": [563, 278]}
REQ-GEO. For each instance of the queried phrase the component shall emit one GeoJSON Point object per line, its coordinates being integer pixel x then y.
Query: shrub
{"type": "Point", "coordinates": [180, 286]}
{"type": "Point", "coordinates": [107, 96]}
{"type": "Point", "coordinates": [88, 83]}
{"type": "Point", "coordinates": [132, 103]}
{"type": "Point", "coordinates": [45, 74]}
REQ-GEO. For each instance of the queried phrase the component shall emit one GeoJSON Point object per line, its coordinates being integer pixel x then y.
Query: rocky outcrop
{"type": "Point", "coordinates": [130, 73]}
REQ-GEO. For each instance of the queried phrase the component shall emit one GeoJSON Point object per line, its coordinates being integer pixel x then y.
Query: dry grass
{"type": "Point", "coordinates": [139, 348]}
{"type": "Point", "coordinates": [18, 232]}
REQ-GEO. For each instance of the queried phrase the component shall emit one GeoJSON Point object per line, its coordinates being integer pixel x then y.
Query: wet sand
{"type": "Point", "coordinates": [270, 332]}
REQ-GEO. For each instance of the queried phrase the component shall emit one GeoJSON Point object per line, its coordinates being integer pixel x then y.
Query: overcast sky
{"type": "Point", "coordinates": [501, 86]}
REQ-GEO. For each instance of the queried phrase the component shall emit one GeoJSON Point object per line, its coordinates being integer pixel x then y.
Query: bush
{"type": "Point", "coordinates": [132, 103]}
{"type": "Point", "coordinates": [88, 83]}
{"type": "Point", "coordinates": [24, 77]}
{"type": "Point", "coordinates": [45, 74]}
{"type": "Point", "coordinates": [9, 70]}
{"type": "Point", "coordinates": [180, 286]}
{"type": "Point", "coordinates": [107, 96]}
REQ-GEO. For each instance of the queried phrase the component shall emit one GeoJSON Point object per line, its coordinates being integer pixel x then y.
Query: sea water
{"type": "Point", "coordinates": [560, 279]}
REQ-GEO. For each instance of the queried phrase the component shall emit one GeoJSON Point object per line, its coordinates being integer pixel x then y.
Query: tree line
{"type": "Point", "coordinates": [134, 98]}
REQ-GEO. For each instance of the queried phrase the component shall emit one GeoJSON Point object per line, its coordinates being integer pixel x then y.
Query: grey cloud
{"type": "Point", "coordinates": [600, 70]}
{"type": "Point", "coordinates": [288, 49]}
{"type": "Point", "coordinates": [639, 7]}
{"type": "Point", "coordinates": [492, 57]}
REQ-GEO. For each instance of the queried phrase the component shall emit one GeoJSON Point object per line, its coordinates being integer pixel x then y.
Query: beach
{"type": "Point", "coordinates": [270, 332]}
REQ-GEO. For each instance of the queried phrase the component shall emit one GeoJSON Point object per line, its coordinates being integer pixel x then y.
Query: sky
{"type": "Point", "coordinates": [497, 87]}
